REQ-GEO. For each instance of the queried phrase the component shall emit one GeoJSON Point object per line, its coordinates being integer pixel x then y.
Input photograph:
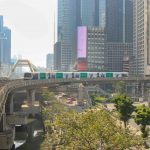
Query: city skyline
{"type": "Point", "coordinates": [29, 19]}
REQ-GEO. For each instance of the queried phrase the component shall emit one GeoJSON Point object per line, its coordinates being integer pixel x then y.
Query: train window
{"type": "Point", "coordinates": [124, 75]}
{"type": "Point", "coordinates": [27, 75]}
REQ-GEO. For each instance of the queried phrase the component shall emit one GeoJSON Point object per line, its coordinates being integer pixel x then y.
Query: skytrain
{"type": "Point", "coordinates": [68, 75]}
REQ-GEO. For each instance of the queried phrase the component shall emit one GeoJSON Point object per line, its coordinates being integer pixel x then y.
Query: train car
{"type": "Point", "coordinates": [83, 75]}
{"type": "Point", "coordinates": [35, 76]}
{"type": "Point", "coordinates": [27, 76]}
{"type": "Point", "coordinates": [77, 75]}
{"type": "Point", "coordinates": [59, 75]}
{"type": "Point", "coordinates": [42, 76]}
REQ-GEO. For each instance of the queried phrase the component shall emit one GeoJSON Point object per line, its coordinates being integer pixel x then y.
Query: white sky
{"type": "Point", "coordinates": [32, 26]}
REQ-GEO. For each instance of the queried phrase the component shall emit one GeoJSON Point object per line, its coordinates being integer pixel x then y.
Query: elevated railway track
{"type": "Point", "coordinates": [7, 86]}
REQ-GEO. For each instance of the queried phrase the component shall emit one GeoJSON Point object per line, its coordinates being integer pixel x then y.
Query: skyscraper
{"type": "Point", "coordinates": [5, 43]}
{"type": "Point", "coordinates": [50, 61]}
{"type": "Point", "coordinates": [7, 46]}
{"type": "Point", "coordinates": [57, 56]}
{"type": "Point", "coordinates": [119, 20]}
{"type": "Point", "coordinates": [1, 23]}
{"type": "Point", "coordinates": [101, 18]}
{"type": "Point", "coordinates": [88, 12]}
{"type": "Point", "coordinates": [91, 54]}
{"type": "Point", "coordinates": [141, 38]}
{"type": "Point", "coordinates": [67, 22]}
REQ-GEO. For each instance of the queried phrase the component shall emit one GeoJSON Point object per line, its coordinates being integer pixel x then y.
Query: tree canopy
{"type": "Point", "coordinates": [142, 118]}
{"type": "Point", "coordinates": [124, 106]}
{"type": "Point", "coordinates": [90, 130]}
{"type": "Point", "coordinates": [120, 87]}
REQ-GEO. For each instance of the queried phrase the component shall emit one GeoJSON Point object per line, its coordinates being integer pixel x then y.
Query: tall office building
{"type": "Point", "coordinates": [117, 56]}
{"type": "Point", "coordinates": [101, 4]}
{"type": "Point", "coordinates": [57, 56]}
{"type": "Point", "coordinates": [7, 46]}
{"type": "Point", "coordinates": [115, 16]}
{"type": "Point", "coordinates": [1, 23]}
{"type": "Point", "coordinates": [5, 43]}
{"type": "Point", "coordinates": [67, 25]}
{"type": "Point", "coordinates": [91, 49]}
{"type": "Point", "coordinates": [88, 12]}
{"type": "Point", "coordinates": [93, 13]}
{"type": "Point", "coordinates": [141, 38]}
{"type": "Point", "coordinates": [119, 20]}
{"type": "Point", "coordinates": [50, 61]}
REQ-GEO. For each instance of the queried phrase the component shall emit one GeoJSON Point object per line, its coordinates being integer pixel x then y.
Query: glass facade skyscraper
{"type": "Point", "coordinates": [1, 23]}
{"type": "Point", "coordinates": [102, 13]}
{"type": "Point", "coordinates": [7, 46]}
{"type": "Point", "coordinates": [115, 16]}
{"type": "Point", "coordinates": [119, 20]}
{"type": "Point", "coordinates": [68, 19]}
{"type": "Point", "coordinates": [5, 43]}
{"type": "Point", "coordinates": [88, 12]}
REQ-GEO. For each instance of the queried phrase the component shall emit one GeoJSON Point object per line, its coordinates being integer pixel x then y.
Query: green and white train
{"type": "Point", "coordinates": [78, 75]}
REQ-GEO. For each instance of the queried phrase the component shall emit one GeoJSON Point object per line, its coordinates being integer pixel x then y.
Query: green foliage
{"type": "Point", "coordinates": [98, 99]}
{"type": "Point", "coordinates": [90, 130]}
{"type": "Point", "coordinates": [142, 118]}
{"type": "Point", "coordinates": [120, 87]}
{"type": "Point", "coordinates": [48, 96]}
{"type": "Point", "coordinates": [124, 106]}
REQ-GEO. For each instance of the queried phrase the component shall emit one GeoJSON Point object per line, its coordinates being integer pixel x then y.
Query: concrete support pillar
{"type": "Point", "coordinates": [31, 96]}
{"type": "Point", "coordinates": [30, 130]}
{"type": "Point", "coordinates": [81, 92]}
{"type": "Point", "coordinates": [142, 89]}
{"type": "Point", "coordinates": [11, 104]}
{"type": "Point", "coordinates": [133, 90]}
{"type": "Point", "coordinates": [3, 121]}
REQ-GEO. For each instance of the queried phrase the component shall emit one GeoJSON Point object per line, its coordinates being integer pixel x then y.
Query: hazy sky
{"type": "Point", "coordinates": [32, 25]}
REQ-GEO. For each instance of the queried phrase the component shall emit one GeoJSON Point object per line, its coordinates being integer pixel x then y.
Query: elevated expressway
{"type": "Point", "coordinates": [10, 86]}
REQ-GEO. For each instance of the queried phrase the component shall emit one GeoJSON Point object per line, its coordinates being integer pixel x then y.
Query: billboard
{"type": "Point", "coordinates": [82, 42]}
{"type": "Point", "coordinates": [82, 65]}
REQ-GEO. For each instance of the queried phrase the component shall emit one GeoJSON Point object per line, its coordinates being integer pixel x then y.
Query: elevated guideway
{"type": "Point", "coordinates": [9, 86]}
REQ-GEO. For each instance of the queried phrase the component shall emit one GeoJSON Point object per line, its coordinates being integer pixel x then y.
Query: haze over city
{"type": "Point", "coordinates": [85, 83]}
{"type": "Point", "coordinates": [32, 26]}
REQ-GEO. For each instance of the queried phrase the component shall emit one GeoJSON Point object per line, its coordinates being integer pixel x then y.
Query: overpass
{"type": "Point", "coordinates": [9, 86]}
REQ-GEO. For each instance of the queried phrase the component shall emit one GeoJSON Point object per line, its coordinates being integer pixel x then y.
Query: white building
{"type": "Point", "coordinates": [141, 37]}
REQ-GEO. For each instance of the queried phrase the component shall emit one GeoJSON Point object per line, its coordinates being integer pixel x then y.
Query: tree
{"type": "Point", "coordinates": [142, 118]}
{"type": "Point", "coordinates": [50, 109]}
{"type": "Point", "coordinates": [90, 130]}
{"type": "Point", "coordinates": [48, 96]}
{"type": "Point", "coordinates": [124, 106]}
{"type": "Point", "coordinates": [120, 87]}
